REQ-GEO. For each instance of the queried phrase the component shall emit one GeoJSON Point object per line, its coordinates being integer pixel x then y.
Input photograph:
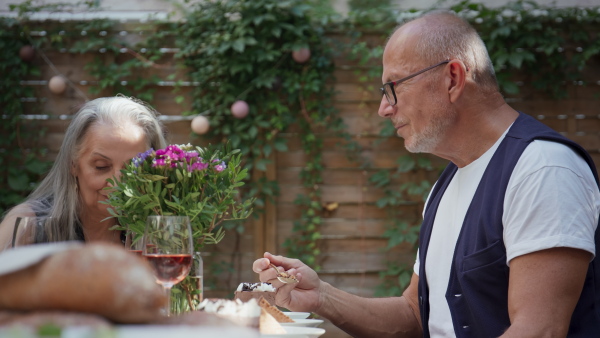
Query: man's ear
{"type": "Point", "coordinates": [457, 75]}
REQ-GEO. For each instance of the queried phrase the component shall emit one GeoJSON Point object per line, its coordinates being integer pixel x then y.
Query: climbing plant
{"type": "Point", "coordinates": [233, 50]}
{"type": "Point", "coordinates": [21, 153]}
{"type": "Point", "coordinates": [528, 43]}
{"type": "Point", "coordinates": [243, 50]}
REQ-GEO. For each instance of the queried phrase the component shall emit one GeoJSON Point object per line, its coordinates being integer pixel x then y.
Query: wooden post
{"type": "Point", "coordinates": [265, 227]}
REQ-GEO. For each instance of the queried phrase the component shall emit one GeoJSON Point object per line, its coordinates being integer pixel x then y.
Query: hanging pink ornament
{"type": "Point", "coordinates": [57, 84]}
{"type": "Point", "coordinates": [27, 53]}
{"type": "Point", "coordinates": [239, 109]}
{"type": "Point", "coordinates": [200, 125]}
{"type": "Point", "coordinates": [301, 55]}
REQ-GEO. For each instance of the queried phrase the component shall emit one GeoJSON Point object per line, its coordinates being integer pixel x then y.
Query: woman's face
{"type": "Point", "coordinates": [104, 152]}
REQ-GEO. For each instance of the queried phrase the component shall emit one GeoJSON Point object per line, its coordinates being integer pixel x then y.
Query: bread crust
{"type": "Point", "coordinates": [97, 278]}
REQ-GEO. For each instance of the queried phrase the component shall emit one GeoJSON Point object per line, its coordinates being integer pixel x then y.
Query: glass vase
{"type": "Point", "coordinates": [189, 293]}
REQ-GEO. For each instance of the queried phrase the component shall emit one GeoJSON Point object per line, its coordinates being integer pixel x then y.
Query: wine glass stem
{"type": "Point", "coordinates": [167, 289]}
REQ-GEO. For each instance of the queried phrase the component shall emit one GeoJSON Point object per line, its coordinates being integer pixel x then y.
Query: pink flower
{"type": "Point", "coordinates": [221, 166]}
{"type": "Point", "coordinates": [198, 166]}
{"type": "Point", "coordinates": [171, 153]}
{"type": "Point", "coordinates": [158, 162]}
{"type": "Point", "coordinates": [190, 156]}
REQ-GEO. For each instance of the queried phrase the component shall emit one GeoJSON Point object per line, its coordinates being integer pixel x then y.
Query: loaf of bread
{"type": "Point", "coordinates": [103, 279]}
{"type": "Point", "coordinates": [38, 319]}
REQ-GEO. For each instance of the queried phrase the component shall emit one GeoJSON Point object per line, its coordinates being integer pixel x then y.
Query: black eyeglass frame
{"type": "Point", "coordinates": [391, 84]}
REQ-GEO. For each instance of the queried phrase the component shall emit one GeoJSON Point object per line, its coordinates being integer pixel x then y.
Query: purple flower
{"type": "Point", "coordinates": [141, 157]}
{"type": "Point", "coordinates": [190, 156]}
{"type": "Point", "coordinates": [198, 166]}
{"type": "Point", "coordinates": [221, 166]}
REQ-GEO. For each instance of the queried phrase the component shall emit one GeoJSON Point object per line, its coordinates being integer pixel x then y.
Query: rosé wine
{"type": "Point", "coordinates": [170, 269]}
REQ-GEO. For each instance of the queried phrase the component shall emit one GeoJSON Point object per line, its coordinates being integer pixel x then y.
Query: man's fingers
{"type": "Point", "coordinates": [281, 261]}
{"type": "Point", "coordinates": [260, 265]}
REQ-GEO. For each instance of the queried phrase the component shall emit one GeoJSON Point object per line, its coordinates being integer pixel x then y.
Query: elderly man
{"type": "Point", "coordinates": [508, 240]}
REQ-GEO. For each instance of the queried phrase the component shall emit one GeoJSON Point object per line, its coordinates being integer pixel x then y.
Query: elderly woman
{"type": "Point", "coordinates": [103, 135]}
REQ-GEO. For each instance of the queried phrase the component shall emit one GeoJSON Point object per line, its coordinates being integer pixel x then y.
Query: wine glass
{"type": "Point", "coordinates": [167, 245]}
{"type": "Point", "coordinates": [29, 230]}
{"type": "Point", "coordinates": [133, 243]}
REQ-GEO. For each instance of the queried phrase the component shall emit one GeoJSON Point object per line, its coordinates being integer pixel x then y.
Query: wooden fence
{"type": "Point", "coordinates": [352, 241]}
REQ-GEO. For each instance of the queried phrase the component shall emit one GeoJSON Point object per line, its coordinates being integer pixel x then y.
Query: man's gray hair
{"type": "Point", "coordinates": [447, 36]}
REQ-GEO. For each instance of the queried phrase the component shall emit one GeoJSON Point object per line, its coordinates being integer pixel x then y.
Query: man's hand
{"type": "Point", "coordinates": [302, 296]}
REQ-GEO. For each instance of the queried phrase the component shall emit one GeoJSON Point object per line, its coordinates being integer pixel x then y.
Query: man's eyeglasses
{"type": "Point", "coordinates": [388, 88]}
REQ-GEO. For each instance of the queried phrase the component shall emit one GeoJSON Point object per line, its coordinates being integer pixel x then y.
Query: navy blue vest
{"type": "Point", "coordinates": [477, 291]}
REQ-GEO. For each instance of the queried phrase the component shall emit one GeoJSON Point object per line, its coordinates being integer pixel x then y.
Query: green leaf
{"type": "Point", "coordinates": [19, 182]}
{"type": "Point", "coordinates": [510, 87]}
{"type": "Point", "coordinates": [239, 45]}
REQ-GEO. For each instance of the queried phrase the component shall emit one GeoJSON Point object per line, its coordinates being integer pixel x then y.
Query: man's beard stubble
{"type": "Point", "coordinates": [442, 117]}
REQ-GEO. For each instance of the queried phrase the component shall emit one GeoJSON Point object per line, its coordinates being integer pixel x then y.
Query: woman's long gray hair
{"type": "Point", "coordinates": [57, 194]}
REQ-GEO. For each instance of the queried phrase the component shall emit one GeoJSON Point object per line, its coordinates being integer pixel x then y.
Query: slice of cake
{"type": "Point", "coordinates": [249, 314]}
{"type": "Point", "coordinates": [269, 325]}
{"type": "Point", "coordinates": [245, 314]}
{"type": "Point", "coordinates": [247, 291]}
{"type": "Point", "coordinates": [279, 316]}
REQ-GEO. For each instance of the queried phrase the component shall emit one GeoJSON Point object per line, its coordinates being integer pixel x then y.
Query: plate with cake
{"type": "Point", "coordinates": [247, 291]}
{"type": "Point", "coordinates": [266, 317]}
{"type": "Point", "coordinates": [297, 315]}
{"type": "Point", "coordinates": [303, 323]}
{"type": "Point", "coordinates": [297, 332]}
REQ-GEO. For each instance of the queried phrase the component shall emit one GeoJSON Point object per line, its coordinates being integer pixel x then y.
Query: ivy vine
{"type": "Point", "coordinates": [528, 43]}
{"type": "Point", "coordinates": [21, 153]}
{"type": "Point", "coordinates": [232, 50]}
{"type": "Point", "coordinates": [241, 50]}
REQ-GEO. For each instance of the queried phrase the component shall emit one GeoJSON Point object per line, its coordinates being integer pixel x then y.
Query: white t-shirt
{"type": "Point", "coordinates": [537, 215]}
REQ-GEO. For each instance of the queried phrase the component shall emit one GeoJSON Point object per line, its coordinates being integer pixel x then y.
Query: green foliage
{"type": "Point", "coordinates": [21, 163]}
{"type": "Point", "coordinates": [547, 47]}
{"type": "Point", "coordinates": [197, 185]}
{"type": "Point", "coordinates": [394, 280]}
{"type": "Point", "coordinates": [242, 50]}
{"type": "Point", "coordinates": [553, 44]}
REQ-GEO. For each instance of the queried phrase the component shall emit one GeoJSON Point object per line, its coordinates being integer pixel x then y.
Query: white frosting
{"type": "Point", "coordinates": [264, 287]}
{"type": "Point", "coordinates": [231, 307]}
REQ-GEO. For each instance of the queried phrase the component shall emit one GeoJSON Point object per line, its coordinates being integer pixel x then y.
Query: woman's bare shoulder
{"type": "Point", "coordinates": [7, 225]}
{"type": "Point", "coordinates": [21, 210]}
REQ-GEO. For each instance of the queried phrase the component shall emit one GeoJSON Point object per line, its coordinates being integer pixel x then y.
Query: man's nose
{"type": "Point", "coordinates": [385, 109]}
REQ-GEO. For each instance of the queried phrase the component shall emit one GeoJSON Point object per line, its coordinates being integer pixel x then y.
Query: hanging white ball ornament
{"type": "Point", "coordinates": [200, 125]}
{"type": "Point", "coordinates": [240, 109]}
{"type": "Point", "coordinates": [27, 53]}
{"type": "Point", "coordinates": [301, 55]}
{"type": "Point", "coordinates": [57, 84]}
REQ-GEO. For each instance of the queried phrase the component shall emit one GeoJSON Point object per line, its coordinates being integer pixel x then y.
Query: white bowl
{"type": "Point", "coordinates": [304, 323]}
{"type": "Point", "coordinates": [297, 332]}
{"type": "Point", "coordinates": [297, 315]}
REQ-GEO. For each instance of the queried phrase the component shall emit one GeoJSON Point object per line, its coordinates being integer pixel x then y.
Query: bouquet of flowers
{"type": "Point", "coordinates": [181, 180]}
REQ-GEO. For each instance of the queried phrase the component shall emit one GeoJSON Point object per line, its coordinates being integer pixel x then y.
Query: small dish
{"type": "Point", "coordinates": [304, 323]}
{"type": "Point", "coordinates": [297, 332]}
{"type": "Point", "coordinates": [297, 315]}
